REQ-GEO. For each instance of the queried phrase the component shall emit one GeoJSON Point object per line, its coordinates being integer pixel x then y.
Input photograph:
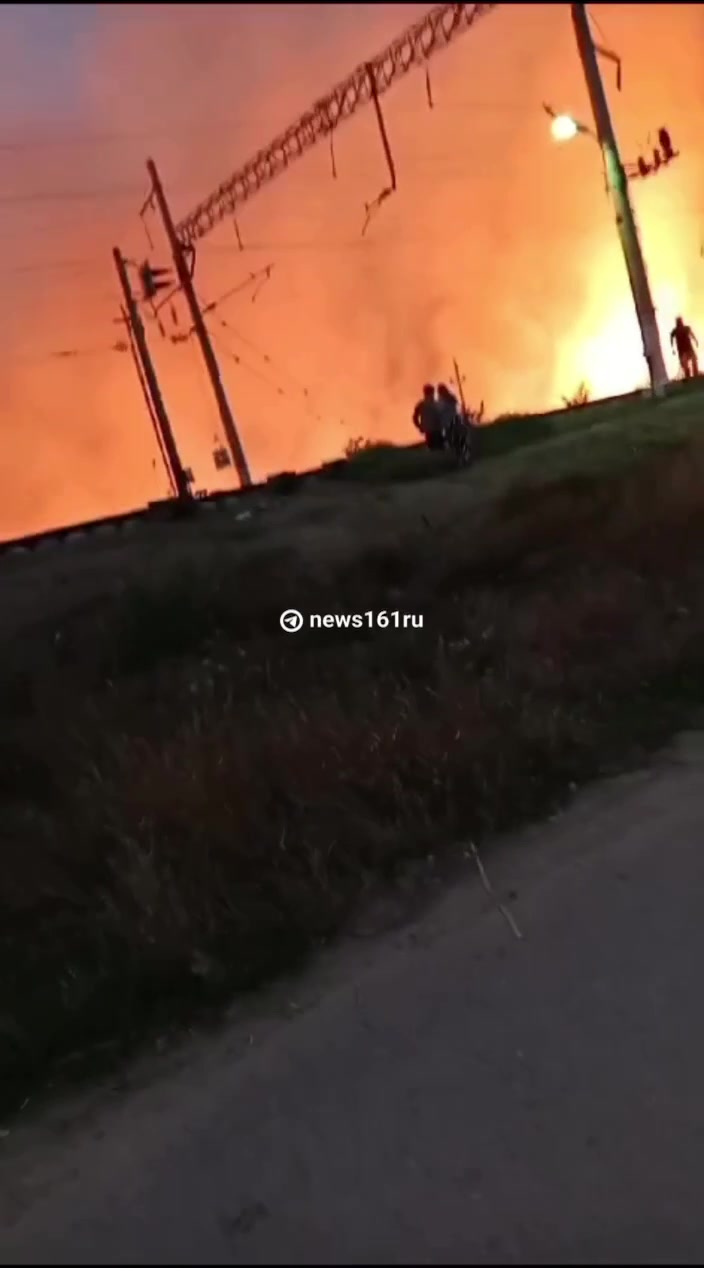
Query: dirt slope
{"type": "Point", "coordinates": [446, 1093]}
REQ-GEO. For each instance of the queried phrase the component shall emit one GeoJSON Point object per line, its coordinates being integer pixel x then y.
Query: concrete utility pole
{"type": "Point", "coordinates": [186, 282]}
{"type": "Point", "coordinates": [160, 415]}
{"type": "Point", "coordinates": [148, 401]}
{"type": "Point", "coordinates": [618, 188]}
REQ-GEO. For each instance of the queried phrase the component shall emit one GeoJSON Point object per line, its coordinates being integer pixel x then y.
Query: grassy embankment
{"type": "Point", "coordinates": [193, 800]}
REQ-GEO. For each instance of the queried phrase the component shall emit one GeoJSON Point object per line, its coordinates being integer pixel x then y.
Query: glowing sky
{"type": "Point", "coordinates": [499, 247]}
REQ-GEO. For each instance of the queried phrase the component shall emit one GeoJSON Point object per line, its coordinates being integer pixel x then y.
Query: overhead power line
{"type": "Point", "coordinates": [435, 31]}
{"type": "Point", "coordinates": [72, 195]}
{"type": "Point", "coordinates": [41, 266]}
{"type": "Point", "coordinates": [266, 357]}
{"type": "Point", "coordinates": [257, 374]}
{"type": "Point", "coordinates": [296, 392]}
{"type": "Point", "coordinates": [305, 246]}
{"type": "Point", "coordinates": [64, 354]}
{"type": "Point", "coordinates": [450, 235]}
{"type": "Point", "coordinates": [312, 246]}
{"type": "Point", "coordinates": [179, 132]}
{"type": "Point", "coordinates": [86, 140]}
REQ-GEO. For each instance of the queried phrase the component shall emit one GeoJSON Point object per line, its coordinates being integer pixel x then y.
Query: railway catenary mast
{"type": "Point", "coordinates": [435, 31]}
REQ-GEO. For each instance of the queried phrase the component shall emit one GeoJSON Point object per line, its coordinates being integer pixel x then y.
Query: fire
{"type": "Point", "coordinates": [605, 350]}
{"type": "Point", "coordinates": [499, 247]}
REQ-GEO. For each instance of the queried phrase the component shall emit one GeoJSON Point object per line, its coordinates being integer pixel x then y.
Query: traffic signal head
{"type": "Point", "coordinates": [153, 280]}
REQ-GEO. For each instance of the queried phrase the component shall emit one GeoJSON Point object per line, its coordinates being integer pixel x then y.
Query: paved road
{"type": "Point", "coordinates": [447, 1094]}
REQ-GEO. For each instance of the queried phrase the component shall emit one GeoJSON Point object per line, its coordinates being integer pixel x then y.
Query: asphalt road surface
{"type": "Point", "coordinates": [447, 1093]}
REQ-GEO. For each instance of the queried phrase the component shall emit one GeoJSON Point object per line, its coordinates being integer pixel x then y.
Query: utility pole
{"type": "Point", "coordinates": [618, 188]}
{"type": "Point", "coordinates": [148, 401]}
{"type": "Point", "coordinates": [186, 281]}
{"type": "Point", "coordinates": [161, 417]}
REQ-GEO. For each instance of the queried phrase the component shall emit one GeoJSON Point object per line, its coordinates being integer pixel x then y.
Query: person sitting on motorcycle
{"type": "Point", "coordinates": [449, 407]}
{"type": "Point", "coordinates": [456, 427]}
{"type": "Point", "coordinates": [453, 418]}
{"type": "Point", "coordinates": [427, 418]}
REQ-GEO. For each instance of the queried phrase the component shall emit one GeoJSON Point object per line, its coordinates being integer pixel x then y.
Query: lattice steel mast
{"type": "Point", "coordinates": [436, 31]}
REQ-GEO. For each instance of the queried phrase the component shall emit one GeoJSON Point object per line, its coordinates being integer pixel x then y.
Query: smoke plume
{"type": "Point", "coordinates": [498, 247]}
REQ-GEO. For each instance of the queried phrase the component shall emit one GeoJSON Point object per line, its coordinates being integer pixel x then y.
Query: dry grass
{"type": "Point", "coordinates": [192, 800]}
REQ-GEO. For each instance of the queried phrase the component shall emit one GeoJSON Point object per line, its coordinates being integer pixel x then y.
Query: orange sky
{"type": "Point", "coordinates": [499, 247]}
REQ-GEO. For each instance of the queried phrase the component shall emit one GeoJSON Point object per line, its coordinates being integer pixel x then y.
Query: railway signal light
{"type": "Point", "coordinates": [153, 280]}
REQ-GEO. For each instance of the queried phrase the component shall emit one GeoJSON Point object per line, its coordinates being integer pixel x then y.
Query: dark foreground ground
{"type": "Point", "coordinates": [194, 802]}
{"type": "Point", "coordinates": [449, 1094]}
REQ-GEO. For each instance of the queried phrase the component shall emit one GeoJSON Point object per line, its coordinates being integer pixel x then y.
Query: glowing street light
{"type": "Point", "coordinates": [564, 127]}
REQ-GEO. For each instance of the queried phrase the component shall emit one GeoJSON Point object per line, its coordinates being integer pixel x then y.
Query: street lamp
{"type": "Point", "coordinates": [564, 127]}
{"type": "Point", "coordinates": [617, 182]}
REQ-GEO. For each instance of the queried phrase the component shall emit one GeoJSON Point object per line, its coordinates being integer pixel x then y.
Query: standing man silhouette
{"type": "Point", "coordinates": [684, 340]}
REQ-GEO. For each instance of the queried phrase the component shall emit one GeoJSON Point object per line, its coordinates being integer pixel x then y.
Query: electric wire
{"type": "Point", "coordinates": [62, 355]}
{"type": "Point", "coordinates": [312, 247]}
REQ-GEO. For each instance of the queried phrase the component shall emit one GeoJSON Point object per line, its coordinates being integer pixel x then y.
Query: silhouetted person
{"type": "Point", "coordinates": [684, 340]}
{"type": "Point", "coordinates": [449, 407]}
{"type": "Point", "coordinates": [427, 418]}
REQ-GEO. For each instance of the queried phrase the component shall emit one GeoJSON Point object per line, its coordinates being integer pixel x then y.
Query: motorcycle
{"type": "Point", "coordinates": [459, 440]}
{"type": "Point", "coordinates": [456, 438]}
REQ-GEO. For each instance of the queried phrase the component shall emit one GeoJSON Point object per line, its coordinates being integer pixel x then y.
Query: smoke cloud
{"type": "Point", "coordinates": [498, 247]}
